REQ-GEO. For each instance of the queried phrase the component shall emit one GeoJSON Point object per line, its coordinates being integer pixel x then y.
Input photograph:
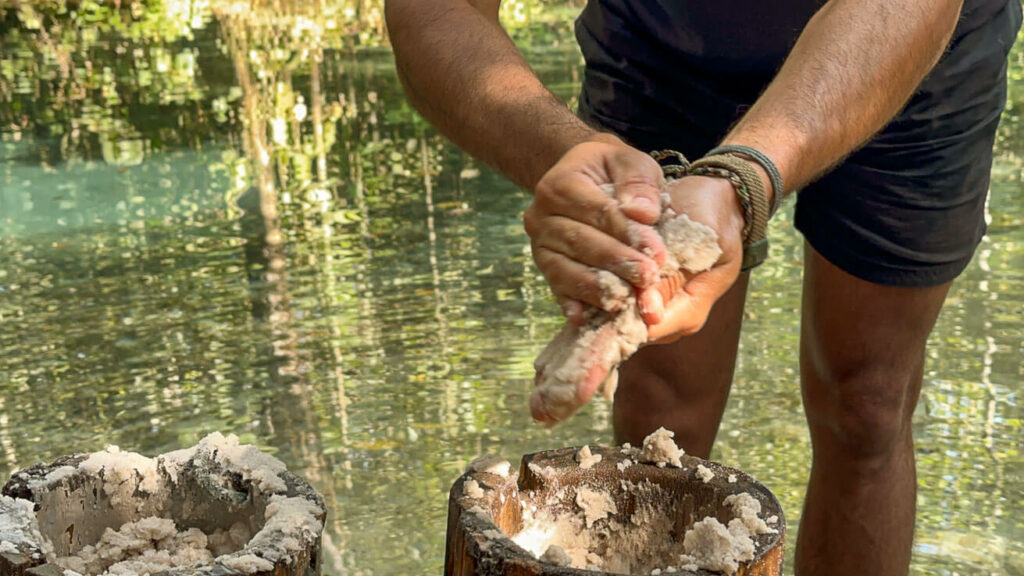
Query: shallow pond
{"type": "Point", "coordinates": [375, 322]}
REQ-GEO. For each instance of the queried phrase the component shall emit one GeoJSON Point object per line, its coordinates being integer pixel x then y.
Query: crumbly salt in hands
{"type": "Point", "coordinates": [580, 359]}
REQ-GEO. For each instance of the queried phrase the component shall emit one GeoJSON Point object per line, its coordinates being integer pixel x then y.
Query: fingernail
{"type": "Point", "coordinates": [652, 305]}
{"type": "Point", "coordinates": [639, 203]}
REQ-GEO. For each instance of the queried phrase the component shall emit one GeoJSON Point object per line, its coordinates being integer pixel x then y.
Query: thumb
{"type": "Point", "coordinates": [688, 309]}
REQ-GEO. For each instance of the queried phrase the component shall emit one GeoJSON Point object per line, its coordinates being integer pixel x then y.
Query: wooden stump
{"type": "Point", "coordinates": [74, 506]}
{"type": "Point", "coordinates": [480, 523]}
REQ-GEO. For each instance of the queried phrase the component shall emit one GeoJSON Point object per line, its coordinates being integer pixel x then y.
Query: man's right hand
{"type": "Point", "coordinates": [577, 228]}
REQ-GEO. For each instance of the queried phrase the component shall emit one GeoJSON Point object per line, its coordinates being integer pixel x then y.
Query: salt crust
{"type": "Point", "coordinates": [595, 504]}
{"type": "Point", "coordinates": [704, 473]}
{"type": "Point", "coordinates": [19, 528]}
{"type": "Point", "coordinates": [147, 546]}
{"type": "Point", "coordinates": [713, 546]}
{"type": "Point", "coordinates": [586, 459]}
{"type": "Point", "coordinates": [153, 544]}
{"type": "Point", "coordinates": [660, 449]}
{"type": "Point", "coordinates": [613, 290]}
{"type": "Point", "coordinates": [491, 464]}
{"type": "Point", "coordinates": [471, 488]}
{"type": "Point", "coordinates": [606, 339]}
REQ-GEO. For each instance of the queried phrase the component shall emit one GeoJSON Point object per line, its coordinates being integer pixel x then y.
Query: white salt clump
{"type": "Point", "coordinates": [624, 464]}
{"type": "Point", "coordinates": [746, 509]}
{"type": "Point", "coordinates": [223, 542]}
{"type": "Point", "coordinates": [556, 555]}
{"type": "Point", "coordinates": [263, 469]}
{"type": "Point", "coordinates": [712, 547]}
{"type": "Point", "coordinates": [19, 527]}
{"type": "Point", "coordinates": [287, 518]}
{"type": "Point", "coordinates": [732, 478]}
{"type": "Point", "coordinates": [595, 504]}
{"type": "Point", "coordinates": [147, 546]}
{"type": "Point", "coordinates": [613, 290]}
{"type": "Point", "coordinates": [53, 477]}
{"type": "Point", "coordinates": [606, 339]}
{"type": "Point", "coordinates": [471, 488]}
{"type": "Point", "coordinates": [491, 464]}
{"type": "Point", "coordinates": [122, 472]}
{"type": "Point", "coordinates": [773, 519]}
{"type": "Point", "coordinates": [8, 547]}
{"type": "Point", "coordinates": [246, 563]}
{"type": "Point", "coordinates": [690, 244]}
{"type": "Point", "coordinates": [586, 459]}
{"type": "Point", "coordinates": [704, 473]}
{"type": "Point", "coordinates": [660, 449]}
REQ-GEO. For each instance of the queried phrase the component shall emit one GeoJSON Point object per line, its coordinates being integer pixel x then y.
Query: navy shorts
{"type": "Point", "coordinates": [906, 209]}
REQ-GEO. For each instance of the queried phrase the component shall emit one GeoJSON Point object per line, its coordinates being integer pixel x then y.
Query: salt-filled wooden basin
{"type": "Point", "coordinates": [217, 509]}
{"type": "Point", "coordinates": [602, 510]}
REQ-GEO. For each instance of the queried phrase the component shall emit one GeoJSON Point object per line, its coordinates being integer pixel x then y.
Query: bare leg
{"type": "Point", "coordinates": [861, 361]}
{"type": "Point", "coordinates": [683, 385]}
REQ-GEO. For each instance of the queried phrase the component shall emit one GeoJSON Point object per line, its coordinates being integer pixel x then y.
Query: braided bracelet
{"type": "Point", "coordinates": [762, 159]}
{"type": "Point", "coordinates": [748, 186]}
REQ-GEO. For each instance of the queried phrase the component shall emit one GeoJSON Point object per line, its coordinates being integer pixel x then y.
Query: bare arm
{"type": "Point", "coordinates": [854, 66]}
{"type": "Point", "coordinates": [462, 71]}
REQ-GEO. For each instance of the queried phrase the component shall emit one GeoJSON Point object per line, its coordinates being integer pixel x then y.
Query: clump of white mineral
{"type": "Point", "coordinates": [713, 546]}
{"type": "Point", "coordinates": [660, 449]}
{"type": "Point", "coordinates": [147, 546]}
{"type": "Point", "coordinates": [490, 464]}
{"type": "Point", "coordinates": [471, 488]}
{"type": "Point", "coordinates": [19, 528]}
{"type": "Point", "coordinates": [690, 244]}
{"type": "Point", "coordinates": [595, 504]}
{"type": "Point", "coordinates": [586, 458]}
{"type": "Point", "coordinates": [263, 469]}
{"type": "Point", "coordinates": [704, 473]}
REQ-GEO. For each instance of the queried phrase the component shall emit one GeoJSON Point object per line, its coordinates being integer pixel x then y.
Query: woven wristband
{"type": "Point", "coordinates": [762, 160]}
{"type": "Point", "coordinates": [749, 187]}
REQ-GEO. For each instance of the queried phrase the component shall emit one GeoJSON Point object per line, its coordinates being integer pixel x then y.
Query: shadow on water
{"type": "Point", "coordinates": [225, 216]}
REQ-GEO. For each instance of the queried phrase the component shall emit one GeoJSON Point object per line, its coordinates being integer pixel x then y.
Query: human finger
{"type": "Point", "coordinates": [577, 196]}
{"type": "Point", "coordinates": [570, 279]}
{"type": "Point", "coordinates": [593, 247]}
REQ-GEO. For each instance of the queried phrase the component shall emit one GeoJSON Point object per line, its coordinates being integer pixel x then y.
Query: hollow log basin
{"type": "Point", "coordinates": [480, 528]}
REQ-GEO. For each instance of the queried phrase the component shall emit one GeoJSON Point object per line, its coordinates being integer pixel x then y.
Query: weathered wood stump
{"type": "Point", "coordinates": [487, 509]}
{"type": "Point", "coordinates": [258, 518]}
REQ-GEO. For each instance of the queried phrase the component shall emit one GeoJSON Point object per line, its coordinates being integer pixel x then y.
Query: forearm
{"type": "Point", "coordinates": [464, 74]}
{"type": "Point", "coordinates": [854, 66]}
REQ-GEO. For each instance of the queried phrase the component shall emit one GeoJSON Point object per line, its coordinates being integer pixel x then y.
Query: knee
{"type": "Point", "coordinates": [863, 415]}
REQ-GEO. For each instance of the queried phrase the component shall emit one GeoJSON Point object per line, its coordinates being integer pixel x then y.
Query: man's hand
{"type": "Point", "coordinates": [679, 306]}
{"type": "Point", "coordinates": [577, 226]}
